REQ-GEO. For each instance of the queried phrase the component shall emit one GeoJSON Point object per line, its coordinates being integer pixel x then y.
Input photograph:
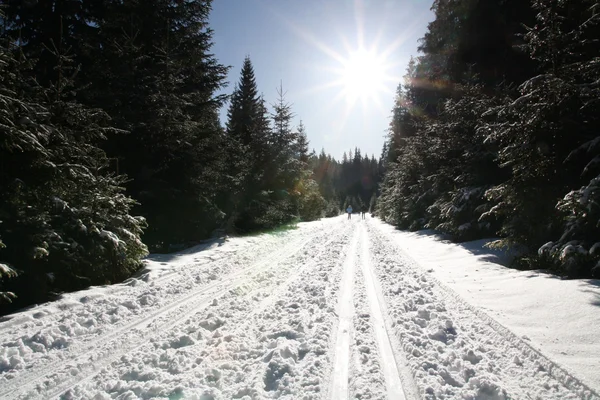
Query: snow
{"type": "Point", "coordinates": [333, 309]}
{"type": "Point", "coordinates": [5, 270]}
{"type": "Point", "coordinates": [345, 312]}
{"type": "Point", "coordinates": [558, 317]}
{"type": "Point", "coordinates": [389, 365]}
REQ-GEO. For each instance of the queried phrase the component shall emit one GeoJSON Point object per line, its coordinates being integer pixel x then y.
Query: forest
{"type": "Point", "coordinates": [495, 131]}
{"type": "Point", "coordinates": [111, 145]}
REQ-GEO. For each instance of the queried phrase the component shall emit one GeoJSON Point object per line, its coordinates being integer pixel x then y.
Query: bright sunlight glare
{"type": "Point", "coordinates": [363, 76]}
{"type": "Point", "coordinates": [365, 73]}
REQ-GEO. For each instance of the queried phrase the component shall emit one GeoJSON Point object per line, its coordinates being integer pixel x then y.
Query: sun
{"type": "Point", "coordinates": [363, 75]}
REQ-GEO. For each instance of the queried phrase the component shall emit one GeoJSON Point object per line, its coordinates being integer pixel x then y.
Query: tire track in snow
{"type": "Point", "coordinates": [391, 370]}
{"type": "Point", "coordinates": [133, 334]}
{"type": "Point", "coordinates": [457, 350]}
{"type": "Point", "coordinates": [345, 309]}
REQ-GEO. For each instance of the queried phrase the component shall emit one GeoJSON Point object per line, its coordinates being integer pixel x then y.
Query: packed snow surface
{"type": "Point", "coordinates": [334, 309]}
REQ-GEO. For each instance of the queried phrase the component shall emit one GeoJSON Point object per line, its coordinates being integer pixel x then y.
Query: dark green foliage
{"type": "Point", "coordinates": [268, 178]}
{"type": "Point", "coordinates": [495, 131]}
{"type": "Point", "coordinates": [467, 169]}
{"type": "Point", "coordinates": [552, 195]}
{"type": "Point", "coordinates": [156, 77]}
{"type": "Point", "coordinates": [302, 145]}
{"type": "Point", "coordinates": [373, 204]}
{"type": "Point", "coordinates": [311, 204]}
{"type": "Point", "coordinates": [251, 198]}
{"type": "Point", "coordinates": [407, 189]}
{"type": "Point", "coordinates": [146, 84]}
{"type": "Point", "coordinates": [65, 223]}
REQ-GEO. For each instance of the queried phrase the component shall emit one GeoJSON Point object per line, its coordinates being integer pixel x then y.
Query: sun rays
{"type": "Point", "coordinates": [361, 72]}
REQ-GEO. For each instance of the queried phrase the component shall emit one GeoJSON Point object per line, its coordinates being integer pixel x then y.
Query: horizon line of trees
{"type": "Point", "coordinates": [111, 145]}
{"type": "Point", "coordinates": [496, 131]}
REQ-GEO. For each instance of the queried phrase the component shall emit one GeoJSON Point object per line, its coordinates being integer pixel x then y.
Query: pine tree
{"type": "Point", "coordinates": [154, 74]}
{"type": "Point", "coordinates": [246, 144]}
{"type": "Point", "coordinates": [37, 24]}
{"type": "Point", "coordinates": [436, 165]}
{"type": "Point", "coordinates": [311, 203]}
{"type": "Point", "coordinates": [373, 204]}
{"type": "Point", "coordinates": [553, 152]}
{"type": "Point", "coordinates": [467, 167]}
{"type": "Point", "coordinates": [65, 221]}
{"type": "Point", "coordinates": [285, 170]}
{"type": "Point", "coordinates": [302, 144]}
{"type": "Point", "coordinates": [407, 191]}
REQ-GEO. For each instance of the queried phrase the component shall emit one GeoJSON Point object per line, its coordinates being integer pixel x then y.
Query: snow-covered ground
{"type": "Point", "coordinates": [559, 317]}
{"type": "Point", "coordinates": [335, 309]}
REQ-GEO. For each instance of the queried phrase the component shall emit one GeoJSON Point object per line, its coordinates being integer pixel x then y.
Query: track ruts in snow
{"type": "Point", "coordinates": [345, 310]}
{"type": "Point", "coordinates": [367, 380]}
{"type": "Point", "coordinates": [266, 265]}
{"type": "Point", "coordinates": [133, 334]}
{"type": "Point", "coordinates": [281, 340]}
{"type": "Point", "coordinates": [365, 336]}
{"type": "Point", "coordinates": [263, 347]}
{"type": "Point", "coordinates": [456, 350]}
{"type": "Point", "coordinates": [181, 272]}
{"type": "Point", "coordinates": [389, 364]}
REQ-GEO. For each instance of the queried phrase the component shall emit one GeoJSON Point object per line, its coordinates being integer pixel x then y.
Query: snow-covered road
{"type": "Point", "coordinates": [331, 310]}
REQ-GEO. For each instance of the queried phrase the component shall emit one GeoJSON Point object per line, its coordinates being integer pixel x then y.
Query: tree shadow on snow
{"type": "Point", "coordinates": [592, 286]}
{"type": "Point", "coordinates": [475, 247]}
{"type": "Point", "coordinates": [503, 258]}
{"type": "Point", "coordinates": [596, 301]}
{"type": "Point", "coordinates": [201, 246]}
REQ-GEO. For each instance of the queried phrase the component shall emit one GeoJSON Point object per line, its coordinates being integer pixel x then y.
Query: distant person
{"type": "Point", "coordinates": [363, 211]}
{"type": "Point", "coordinates": [349, 211]}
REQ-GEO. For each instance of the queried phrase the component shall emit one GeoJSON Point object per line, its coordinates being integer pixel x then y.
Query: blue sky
{"type": "Point", "coordinates": [342, 94]}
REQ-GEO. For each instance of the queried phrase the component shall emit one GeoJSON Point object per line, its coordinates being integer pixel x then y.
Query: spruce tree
{"type": "Point", "coordinates": [65, 221]}
{"type": "Point", "coordinates": [467, 167]}
{"type": "Point", "coordinates": [302, 144]}
{"type": "Point", "coordinates": [284, 170]}
{"type": "Point", "coordinates": [549, 136]}
{"type": "Point", "coordinates": [155, 75]}
{"type": "Point", "coordinates": [248, 135]}
{"type": "Point", "coordinates": [37, 24]}
{"type": "Point", "coordinates": [311, 203]}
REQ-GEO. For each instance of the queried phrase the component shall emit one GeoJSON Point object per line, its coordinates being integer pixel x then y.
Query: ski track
{"type": "Point", "coordinates": [50, 378]}
{"type": "Point", "coordinates": [333, 310]}
{"type": "Point", "coordinates": [456, 351]}
{"type": "Point", "coordinates": [12, 323]}
{"type": "Point", "coordinates": [367, 381]}
{"type": "Point", "coordinates": [390, 369]}
{"type": "Point", "coordinates": [345, 311]}
{"type": "Point", "coordinates": [266, 329]}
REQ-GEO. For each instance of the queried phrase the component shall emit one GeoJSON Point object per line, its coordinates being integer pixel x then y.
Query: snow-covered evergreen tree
{"type": "Point", "coordinates": [467, 167]}
{"type": "Point", "coordinates": [565, 41]}
{"type": "Point", "coordinates": [65, 223]}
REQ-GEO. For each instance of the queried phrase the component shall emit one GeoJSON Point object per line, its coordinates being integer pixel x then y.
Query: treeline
{"type": "Point", "coordinates": [352, 181]}
{"type": "Point", "coordinates": [496, 131]}
{"type": "Point", "coordinates": [111, 144]}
